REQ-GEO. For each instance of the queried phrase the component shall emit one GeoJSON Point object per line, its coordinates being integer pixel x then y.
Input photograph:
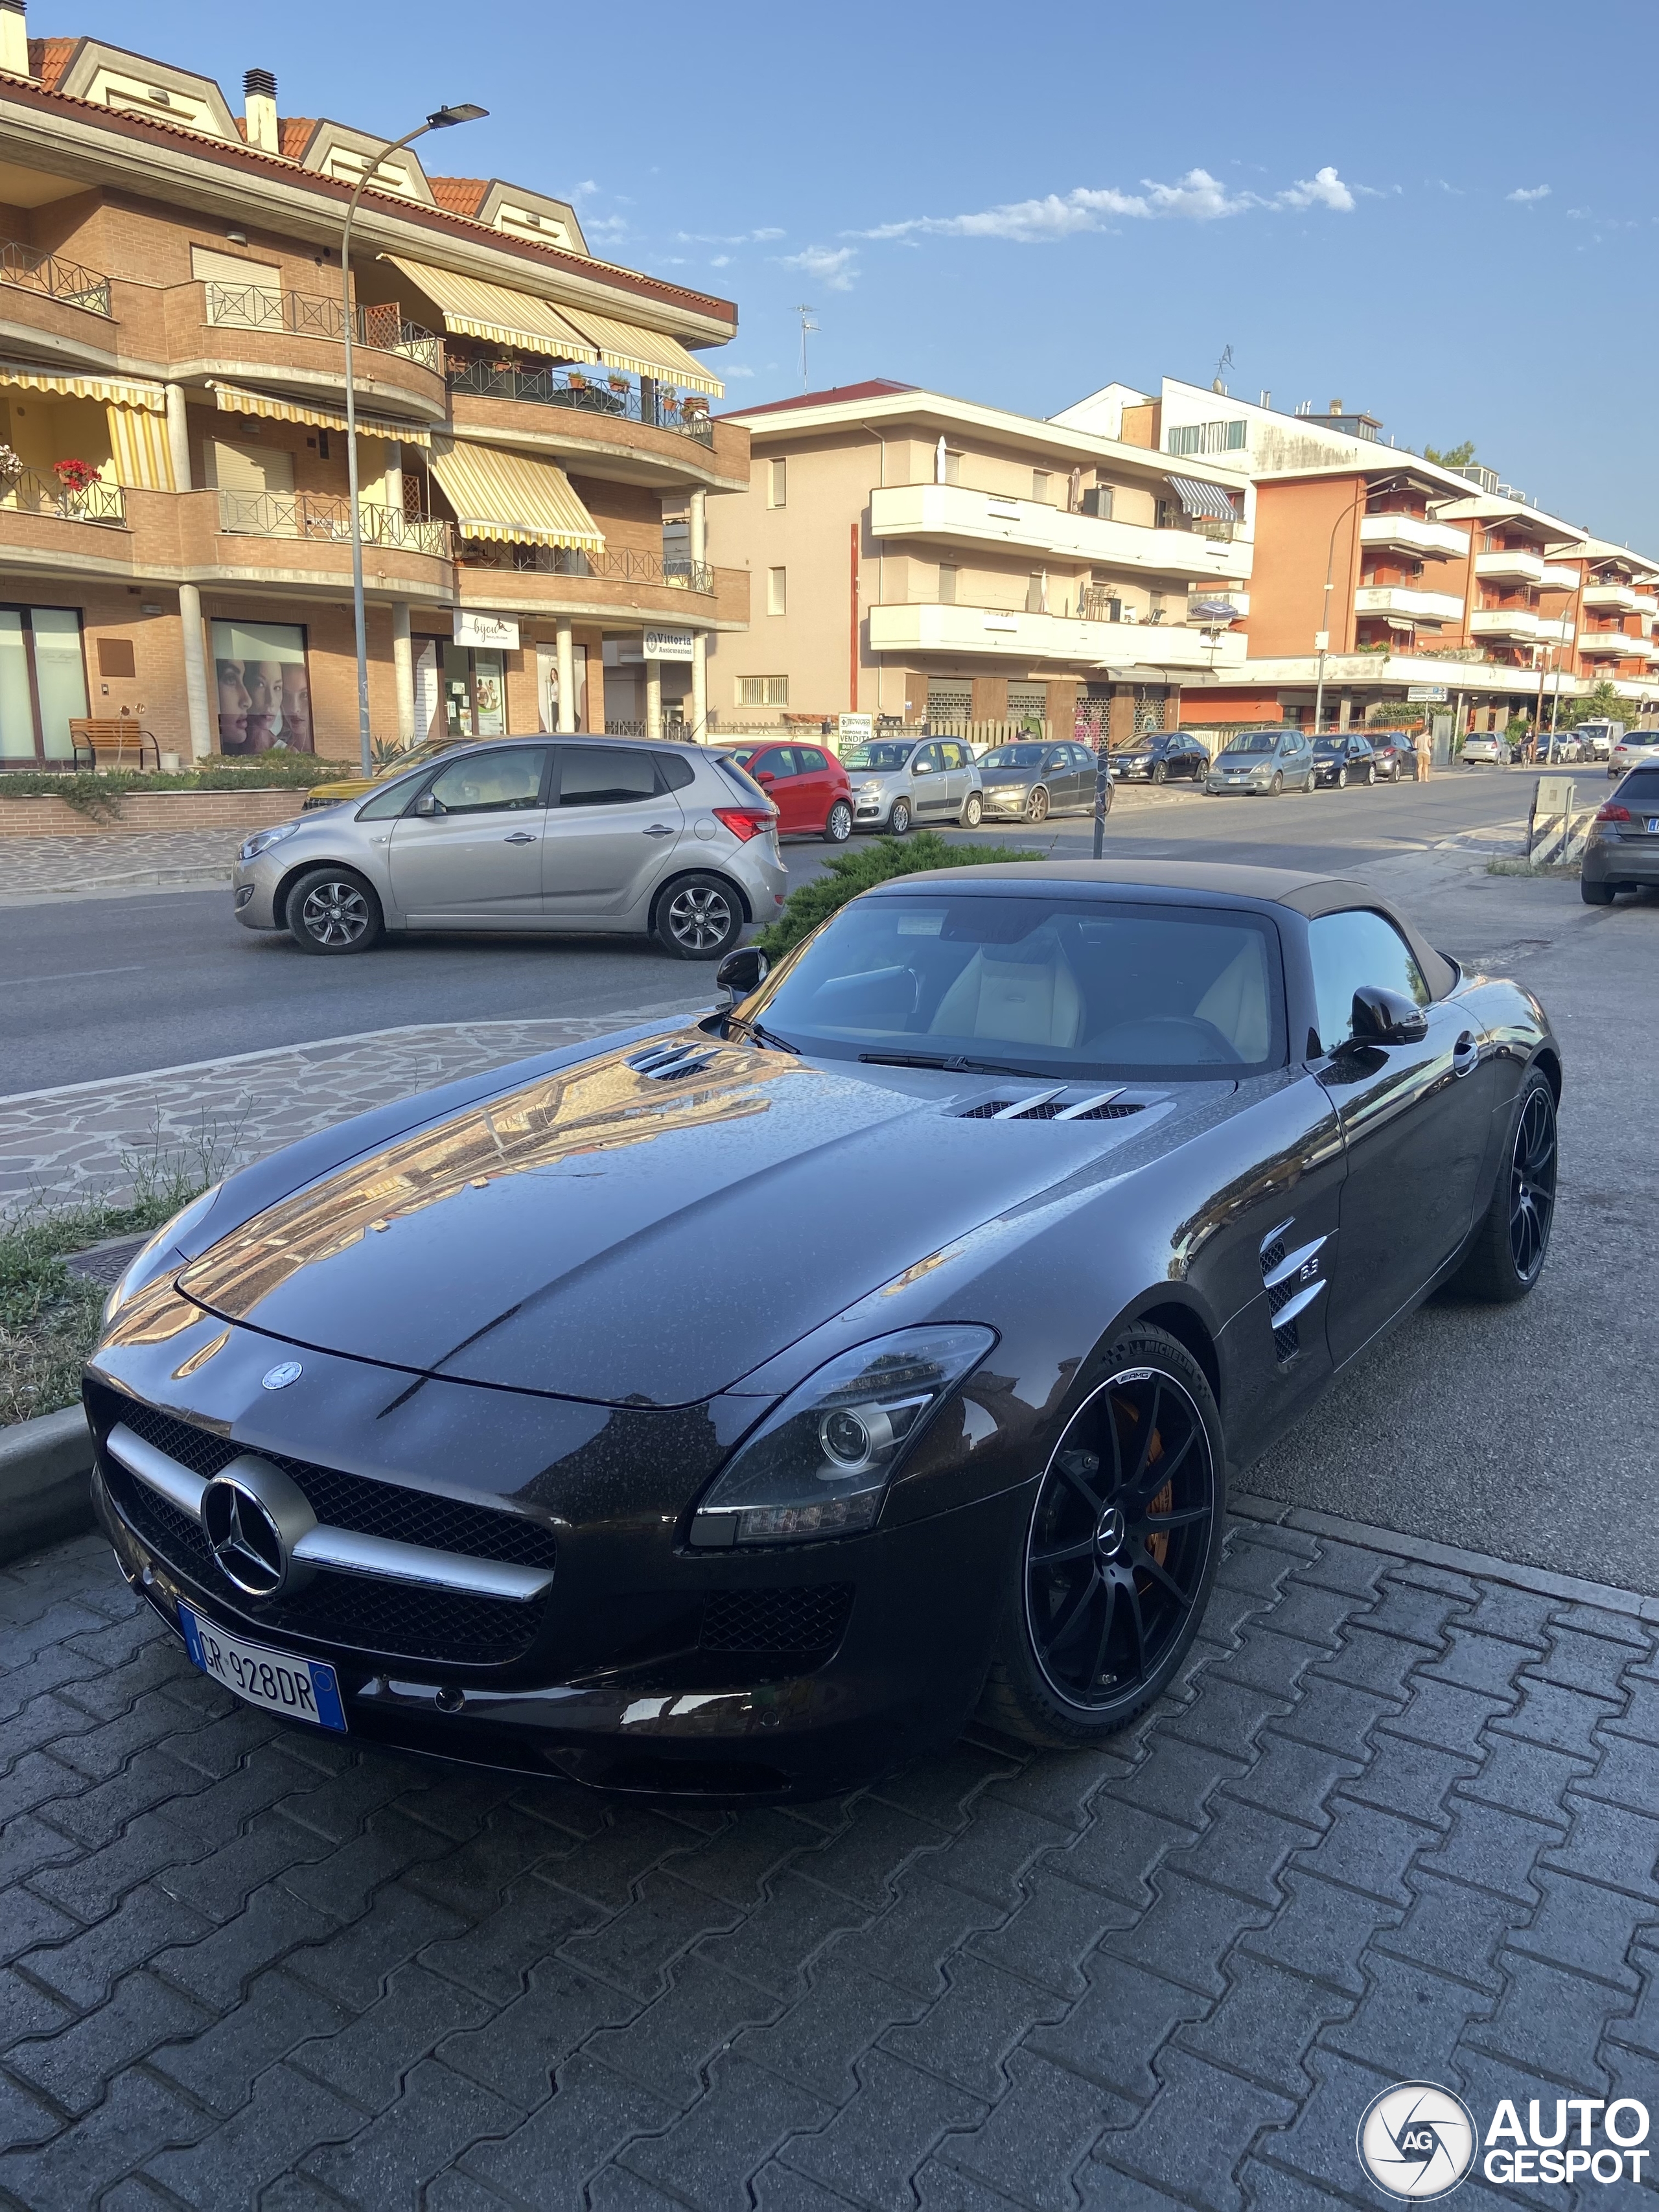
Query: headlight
{"type": "Point", "coordinates": [146, 1265]}
{"type": "Point", "coordinates": [873, 788]}
{"type": "Point", "coordinates": [820, 1464]}
{"type": "Point", "coordinates": [262, 839]}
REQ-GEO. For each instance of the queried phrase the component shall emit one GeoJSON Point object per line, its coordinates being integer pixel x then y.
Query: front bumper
{"type": "Point", "coordinates": [1006, 798]}
{"type": "Point", "coordinates": [1217, 786]}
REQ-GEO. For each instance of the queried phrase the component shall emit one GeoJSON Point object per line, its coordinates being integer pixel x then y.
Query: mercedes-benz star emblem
{"type": "Point", "coordinates": [244, 1538]}
{"type": "Point", "coordinates": [279, 1377]}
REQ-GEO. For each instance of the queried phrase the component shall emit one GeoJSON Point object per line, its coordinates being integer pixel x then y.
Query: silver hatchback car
{"type": "Point", "coordinates": [899, 781]}
{"type": "Point", "coordinates": [613, 835]}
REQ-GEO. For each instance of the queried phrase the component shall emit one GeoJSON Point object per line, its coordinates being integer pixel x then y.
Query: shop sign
{"type": "Point", "coordinates": [1427, 695]}
{"type": "Point", "coordinates": [665, 645]}
{"type": "Point", "coordinates": [493, 632]}
{"type": "Point", "coordinates": [859, 729]}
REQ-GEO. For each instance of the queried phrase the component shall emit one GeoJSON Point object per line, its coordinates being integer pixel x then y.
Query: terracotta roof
{"type": "Point", "coordinates": [460, 195]}
{"type": "Point", "coordinates": [876, 387]}
{"type": "Point", "coordinates": [49, 58]}
{"type": "Point", "coordinates": [294, 134]}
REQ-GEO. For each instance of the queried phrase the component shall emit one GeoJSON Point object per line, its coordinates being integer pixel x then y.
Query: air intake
{"type": "Point", "coordinates": [1054, 1106]}
{"type": "Point", "coordinates": [669, 1063]}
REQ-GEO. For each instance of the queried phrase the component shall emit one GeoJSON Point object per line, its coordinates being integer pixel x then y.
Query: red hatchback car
{"type": "Point", "coordinates": [807, 785]}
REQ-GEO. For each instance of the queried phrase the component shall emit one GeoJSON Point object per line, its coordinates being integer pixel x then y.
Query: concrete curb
{"type": "Point", "coordinates": [45, 1467]}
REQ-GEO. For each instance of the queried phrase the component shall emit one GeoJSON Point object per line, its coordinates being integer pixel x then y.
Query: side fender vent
{"type": "Point", "coordinates": [1293, 1279]}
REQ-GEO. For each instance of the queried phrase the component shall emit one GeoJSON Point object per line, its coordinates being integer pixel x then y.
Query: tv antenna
{"type": "Point", "coordinates": [804, 312]}
{"type": "Point", "coordinates": [1218, 381]}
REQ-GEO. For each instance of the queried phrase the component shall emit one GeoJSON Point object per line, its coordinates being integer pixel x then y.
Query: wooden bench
{"type": "Point", "coordinates": [115, 743]}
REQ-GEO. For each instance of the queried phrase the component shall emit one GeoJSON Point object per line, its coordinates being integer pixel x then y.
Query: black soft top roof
{"type": "Point", "coordinates": [1171, 881]}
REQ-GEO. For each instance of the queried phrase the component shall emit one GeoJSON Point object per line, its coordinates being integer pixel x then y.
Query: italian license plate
{"type": "Point", "coordinates": [1653, 825]}
{"type": "Point", "coordinates": [303, 1689]}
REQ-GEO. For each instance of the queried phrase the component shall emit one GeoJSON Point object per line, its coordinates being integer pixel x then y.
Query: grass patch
{"type": "Point", "coordinates": [1563, 870]}
{"type": "Point", "coordinates": [49, 1319]}
{"type": "Point", "coordinates": [849, 873]}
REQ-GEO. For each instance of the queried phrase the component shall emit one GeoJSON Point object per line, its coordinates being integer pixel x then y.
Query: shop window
{"type": "Point", "coordinates": [263, 686]}
{"type": "Point", "coordinates": [46, 639]}
{"type": "Point", "coordinates": [474, 693]}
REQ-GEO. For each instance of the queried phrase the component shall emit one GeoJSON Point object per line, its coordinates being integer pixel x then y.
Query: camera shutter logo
{"type": "Point", "coordinates": [1417, 2140]}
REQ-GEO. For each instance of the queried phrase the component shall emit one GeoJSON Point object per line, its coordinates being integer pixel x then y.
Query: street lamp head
{"type": "Point", "coordinates": [442, 118]}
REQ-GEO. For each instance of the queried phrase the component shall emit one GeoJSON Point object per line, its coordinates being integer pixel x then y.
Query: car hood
{"type": "Point", "coordinates": [601, 1234]}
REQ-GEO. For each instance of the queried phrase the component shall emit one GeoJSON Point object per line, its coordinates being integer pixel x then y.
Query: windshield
{"type": "Point", "coordinates": [1067, 987]}
{"type": "Point", "coordinates": [1259, 741]}
{"type": "Point", "coordinates": [1014, 757]}
{"type": "Point", "coordinates": [416, 755]}
{"type": "Point", "coordinates": [876, 757]}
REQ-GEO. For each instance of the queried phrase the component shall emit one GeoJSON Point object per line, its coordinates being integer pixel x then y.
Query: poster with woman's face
{"type": "Point", "coordinates": [263, 688]}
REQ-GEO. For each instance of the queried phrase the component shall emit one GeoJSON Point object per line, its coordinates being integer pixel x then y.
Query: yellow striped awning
{"type": "Point", "coordinates": [138, 444]}
{"type": "Point", "coordinates": [236, 399]}
{"type": "Point", "coordinates": [646, 353]}
{"type": "Point", "coordinates": [470, 308]}
{"type": "Point", "coordinates": [114, 390]}
{"type": "Point", "coordinates": [512, 497]}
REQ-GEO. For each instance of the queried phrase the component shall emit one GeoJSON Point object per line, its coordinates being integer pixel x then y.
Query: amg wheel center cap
{"type": "Point", "coordinates": [1109, 1532]}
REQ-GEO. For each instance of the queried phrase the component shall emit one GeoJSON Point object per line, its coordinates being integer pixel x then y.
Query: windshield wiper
{"type": "Point", "coordinates": [951, 1063]}
{"type": "Point", "coordinates": [763, 1035]}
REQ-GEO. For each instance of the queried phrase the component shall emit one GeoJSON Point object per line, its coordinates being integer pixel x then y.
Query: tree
{"type": "Point", "coordinates": [1602, 704]}
{"type": "Point", "coordinates": [1454, 457]}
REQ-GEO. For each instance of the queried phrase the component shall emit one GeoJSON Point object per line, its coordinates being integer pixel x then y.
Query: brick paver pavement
{"type": "Point", "coordinates": [1401, 1821]}
{"type": "Point", "coordinates": [37, 868]}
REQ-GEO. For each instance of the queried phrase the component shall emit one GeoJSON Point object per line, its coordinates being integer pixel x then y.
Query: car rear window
{"type": "Point", "coordinates": [605, 775]}
{"type": "Point", "coordinates": [675, 769]}
{"type": "Point", "coordinates": [740, 781]}
{"type": "Point", "coordinates": [1640, 789]}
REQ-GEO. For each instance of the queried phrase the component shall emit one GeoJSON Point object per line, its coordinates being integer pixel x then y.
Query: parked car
{"type": "Point", "coordinates": [512, 1424]}
{"type": "Point", "coordinates": [1623, 852]}
{"type": "Point", "coordinates": [1598, 738]}
{"type": "Point", "coordinates": [807, 784]}
{"type": "Point", "coordinates": [1394, 753]}
{"type": "Point", "coordinates": [584, 835]}
{"type": "Point", "coordinates": [1341, 759]}
{"type": "Point", "coordinates": [1034, 780]}
{"type": "Point", "coordinates": [1565, 746]}
{"type": "Point", "coordinates": [1160, 758]}
{"type": "Point", "coordinates": [1486, 749]}
{"type": "Point", "coordinates": [353, 786]}
{"type": "Point", "coordinates": [1636, 749]}
{"type": "Point", "coordinates": [1268, 760]}
{"type": "Point", "coordinates": [898, 782]}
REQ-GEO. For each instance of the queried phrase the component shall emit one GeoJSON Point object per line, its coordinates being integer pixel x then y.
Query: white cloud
{"type": "Point", "coordinates": [1195, 197]}
{"type": "Point", "coordinates": [579, 191]}
{"type": "Point", "coordinates": [730, 369]}
{"type": "Point", "coordinates": [835, 268]}
{"type": "Point", "coordinates": [1440, 184]}
{"type": "Point", "coordinates": [1525, 193]}
{"type": "Point", "coordinates": [727, 238]}
{"type": "Point", "coordinates": [721, 261]}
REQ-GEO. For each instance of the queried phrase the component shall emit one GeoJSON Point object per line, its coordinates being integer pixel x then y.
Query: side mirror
{"type": "Point", "coordinates": [764, 777]}
{"type": "Point", "coordinates": [1381, 1017]}
{"type": "Point", "coordinates": [426, 804]}
{"type": "Point", "coordinates": [742, 972]}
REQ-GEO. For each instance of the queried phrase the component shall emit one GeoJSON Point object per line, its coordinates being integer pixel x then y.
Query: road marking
{"type": "Point", "coordinates": [74, 975]}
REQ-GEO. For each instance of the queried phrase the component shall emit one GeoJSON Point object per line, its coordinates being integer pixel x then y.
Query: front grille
{"type": "Point", "coordinates": [358, 1612]}
{"type": "Point", "coordinates": [810, 1619]}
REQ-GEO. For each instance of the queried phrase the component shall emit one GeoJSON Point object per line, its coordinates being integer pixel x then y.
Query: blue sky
{"type": "Point", "coordinates": [1444, 213]}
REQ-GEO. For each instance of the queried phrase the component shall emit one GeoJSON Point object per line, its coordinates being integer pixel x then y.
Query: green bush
{"type": "Point", "coordinates": [849, 873]}
{"type": "Point", "coordinates": [98, 795]}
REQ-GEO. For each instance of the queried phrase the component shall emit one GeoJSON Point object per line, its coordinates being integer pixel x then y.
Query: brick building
{"type": "Point", "coordinates": [534, 442]}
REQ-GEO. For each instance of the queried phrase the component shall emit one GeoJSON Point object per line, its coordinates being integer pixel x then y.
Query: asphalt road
{"type": "Point", "coordinates": [102, 986]}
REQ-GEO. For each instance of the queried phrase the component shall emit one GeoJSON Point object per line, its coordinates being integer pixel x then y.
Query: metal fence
{"type": "Point", "coordinates": [28, 494]}
{"type": "Point", "coordinates": [646, 402]}
{"type": "Point", "coordinates": [621, 563]}
{"type": "Point", "coordinates": [32, 270]}
{"type": "Point", "coordinates": [325, 516]}
{"type": "Point", "coordinates": [314, 315]}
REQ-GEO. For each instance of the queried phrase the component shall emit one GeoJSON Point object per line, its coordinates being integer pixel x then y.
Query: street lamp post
{"type": "Point", "coordinates": [441, 119]}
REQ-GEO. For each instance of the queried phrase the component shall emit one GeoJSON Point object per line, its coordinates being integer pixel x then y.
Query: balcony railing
{"type": "Point", "coordinates": [32, 271]}
{"type": "Point", "coordinates": [314, 315]}
{"type": "Point", "coordinates": [325, 516]}
{"type": "Point", "coordinates": [619, 563]}
{"type": "Point", "coordinates": [555, 387]}
{"type": "Point", "coordinates": [28, 494]}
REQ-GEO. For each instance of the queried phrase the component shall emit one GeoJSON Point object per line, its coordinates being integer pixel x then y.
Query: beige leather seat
{"type": "Point", "coordinates": [1236, 1002]}
{"type": "Point", "coordinates": [1027, 997]}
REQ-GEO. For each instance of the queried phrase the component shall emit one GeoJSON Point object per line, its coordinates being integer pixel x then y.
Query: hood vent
{"type": "Point", "coordinates": [668, 1063]}
{"type": "Point", "coordinates": [1054, 1106]}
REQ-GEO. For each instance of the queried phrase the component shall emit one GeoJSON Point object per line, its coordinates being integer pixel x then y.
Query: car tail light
{"type": "Point", "coordinates": [1612, 813]}
{"type": "Point", "coordinates": [745, 822]}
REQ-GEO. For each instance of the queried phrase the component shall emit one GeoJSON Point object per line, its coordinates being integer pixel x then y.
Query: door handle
{"type": "Point", "coordinates": [1465, 1056]}
{"type": "Point", "coordinates": [657, 829]}
{"type": "Point", "coordinates": [520, 838]}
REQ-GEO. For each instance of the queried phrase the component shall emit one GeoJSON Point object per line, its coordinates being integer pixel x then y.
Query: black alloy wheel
{"type": "Point", "coordinates": [1510, 1244]}
{"type": "Point", "coordinates": [1159, 772]}
{"type": "Point", "coordinates": [330, 910]}
{"type": "Point", "coordinates": [838, 824]}
{"type": "Point", "coordinates": [1119, 1553]}
{"type": "Point", "coordinates": [1036, 807]}
{"type": "Point", "coordinates": [898, 822]}
{"type": "Point", "coordinates": [699, 918]}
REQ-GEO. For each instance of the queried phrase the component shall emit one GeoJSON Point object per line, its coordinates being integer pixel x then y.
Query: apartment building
{"type": "Point", "coordinates": [912, 554]}
{"type": "Point", "coordinates": [535, 447]}
{"type": "Point", "coordinates": [1383, 580]}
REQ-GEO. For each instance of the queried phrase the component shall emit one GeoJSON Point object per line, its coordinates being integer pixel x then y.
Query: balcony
{"type": "Point", "coordinates": [1414, 534]}
{"type": "Point", "coordinates": [1399, 599]}
{"type": "Point", "coordinates": [1613, 598]}
{"type": "Point", "coordinates": [929, 627]}
{"type": "Point", "coordinates": [314, 315]}
{"type": "Point", "coordinates": [1518, 566]}
{"type": "Point", "coordinates": [617, 400]}
{"type": "Point", "coordinates": [621, 563]}
{"type": "Point", "coordinates": [1616, 644]}
{"type": "Point", "coordinates": [26, 269]}
{"type": "Point", "coordinates": [1519, 624]}
{"type": "Point", "coordinates": [254, 334]}
{"type": "Point", "coordinates": [1556, 577]}
{"type": "Point", "coordinates": [28, 494]}
{"type": "Point", "coordinates": [325, 518]}
{"type": "Point", "coordinates": [954, 516]}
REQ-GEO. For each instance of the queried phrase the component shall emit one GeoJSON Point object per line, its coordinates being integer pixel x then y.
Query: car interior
{"type": "Point", "coordinates": [1125, 989]}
